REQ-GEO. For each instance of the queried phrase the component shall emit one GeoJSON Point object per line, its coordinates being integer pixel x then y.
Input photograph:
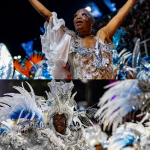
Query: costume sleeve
{"type": "Point", "coordinates": [56, 45]}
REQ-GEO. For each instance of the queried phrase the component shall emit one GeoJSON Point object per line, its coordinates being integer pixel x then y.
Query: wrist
{"type": "Point", "coordinates": [133, 1]}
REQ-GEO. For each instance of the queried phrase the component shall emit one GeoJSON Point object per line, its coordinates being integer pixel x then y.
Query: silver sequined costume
{"type": "Point", "coordinates": [30, 124]}
{"type": "Point", "coordinates": [87, 63]}
{"type": "Point", "coordinates": [62, 45]}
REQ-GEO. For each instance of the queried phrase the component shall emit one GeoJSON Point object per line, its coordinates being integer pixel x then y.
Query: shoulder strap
{"type": "Point", "coordinates": [104, 35]}
{"type": "Point", "coordinates": [97, 38]}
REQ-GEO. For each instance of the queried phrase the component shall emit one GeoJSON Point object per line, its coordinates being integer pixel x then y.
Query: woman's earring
{"type": "Point", "coordinates": [91, 27]}
{"type": "Point", "coordinates": [76, 32]}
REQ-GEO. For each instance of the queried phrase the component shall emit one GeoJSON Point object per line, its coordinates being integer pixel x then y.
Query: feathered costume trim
{"type": "Point", "coordinates": [27, 64]}
{"type": "Point", "coordinates": [122, 98]}
{"type": "Point", "coordinates": [17, 106]}
{"type": "Point", "coordinates": [35, 58]}
{"type": "Point", "coordinates": [126, 134]}
{"type": "Point", "coordinates": [22, 69]}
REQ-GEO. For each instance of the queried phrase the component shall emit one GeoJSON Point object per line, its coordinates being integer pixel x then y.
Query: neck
{"type": "Point", "coordinates": [63, 132]}
{"type": "Point", "coordinates": [84, 35]}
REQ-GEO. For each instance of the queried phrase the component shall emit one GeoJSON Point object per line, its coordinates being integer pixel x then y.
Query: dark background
{"type": "Point", "coordinates": [19, 21]}
{"type": "Point", "coordinates": [90, 91]}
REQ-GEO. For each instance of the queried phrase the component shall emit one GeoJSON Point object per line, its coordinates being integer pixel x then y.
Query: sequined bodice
{"type": "Point", "coordinates": [87, 63]}
{"type": "Point", "coordinates": [76, 140]}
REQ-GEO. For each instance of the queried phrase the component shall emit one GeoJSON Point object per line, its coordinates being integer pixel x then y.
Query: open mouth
{"type": "Point", "coordinates": [79, 22]}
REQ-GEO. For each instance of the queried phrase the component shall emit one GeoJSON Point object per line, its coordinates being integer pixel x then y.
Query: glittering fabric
{"type": "Point", "coordinates": [144, 69]}
{"type": "Point", "coordinates": [87, 63]}
{"type": "Point", "coordinates": [6, 63]}
{"type": "Point", "coordinates": [61, 45]}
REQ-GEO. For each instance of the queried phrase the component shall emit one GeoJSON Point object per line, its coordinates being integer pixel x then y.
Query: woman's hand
{"type": "Point", "coordinates": [41, 9]}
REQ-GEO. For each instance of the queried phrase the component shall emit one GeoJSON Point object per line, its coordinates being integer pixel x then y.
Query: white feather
{"type": "Point", "coordinates": [8, 123]}
{"type": "Point", "coordinates": [124, 50]}
{"type": "Point", "coordinates": [128, 148]}
{"type": "Point", "coordinates": [114, 110]}
{"type": "Point", "coordinates": [13, 101]}
{"type": "Point", "coordinates": [126, 56]}
{"type": "Point", "coordinates": [125, 133]}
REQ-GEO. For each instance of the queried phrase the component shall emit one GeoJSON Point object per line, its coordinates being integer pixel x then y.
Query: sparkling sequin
{"type": "Point", "coordinates": [87, 63]}
{"type": "Point", "coordinates": [6, 63]}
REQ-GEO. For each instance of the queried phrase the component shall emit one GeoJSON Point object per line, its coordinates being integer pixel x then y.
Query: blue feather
{"type": "Point", "coordinates": [124, 140]}
{"type": "Point", "coordinates": [16, 114]}
{"type": "Point", "coordinates": [3, 130]}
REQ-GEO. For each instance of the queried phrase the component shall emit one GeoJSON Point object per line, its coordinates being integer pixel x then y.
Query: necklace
{"type": "Point", "coordinates": [78, 40]}
{"type": "Point", "coordinates": [84, 35]}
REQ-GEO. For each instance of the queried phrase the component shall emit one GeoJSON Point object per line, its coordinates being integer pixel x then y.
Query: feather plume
{"type": "Point", "coordinates": [34, 59]}
{"type": "Point", "coordinates": [128, 133]}
{"type": "Point", "coordinates": [22, 69]}
{"type": "Point", "coordinates": [123, 97]}
{"type": "Point", "coordinates": [23, 105]}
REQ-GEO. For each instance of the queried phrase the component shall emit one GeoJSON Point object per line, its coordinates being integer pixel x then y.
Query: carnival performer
{"type": "Point", "coordinates": [36, 123]}
{"type": "Point", "coordinates": [123, 99]}
{"type": "Point", "coordinates": [89, 56]}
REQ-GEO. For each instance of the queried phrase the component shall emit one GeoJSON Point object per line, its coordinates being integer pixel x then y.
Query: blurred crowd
{"type": "Point", "coordinates": [136, 24]}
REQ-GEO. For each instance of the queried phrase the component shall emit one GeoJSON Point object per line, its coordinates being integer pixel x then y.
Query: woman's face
{"type": "Point", "coordinates": [59, 122]}
{"type": "Point", "coordinates": [83, 21]}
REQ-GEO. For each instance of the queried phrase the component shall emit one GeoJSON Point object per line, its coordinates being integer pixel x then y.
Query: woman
{"type": "Point", "coordinates": [89, 56]}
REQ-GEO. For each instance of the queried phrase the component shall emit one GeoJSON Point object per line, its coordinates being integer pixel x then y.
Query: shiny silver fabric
{"type": "Point", "coordinates": [6, 63]}
{"type": "Point", "coordinates": [87, 63]}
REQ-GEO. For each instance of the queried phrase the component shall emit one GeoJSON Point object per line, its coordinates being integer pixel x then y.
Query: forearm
{"type": "Point", "coordinates": [123, 12]}
{"type": "Point", "coordinates": [41, 9]}
{"type": "Point", "coordinates": [114, 24]}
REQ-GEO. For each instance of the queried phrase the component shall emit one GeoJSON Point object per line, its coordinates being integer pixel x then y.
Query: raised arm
{"type": "Point", "coordinates": [115, 22]}
{"type": "Point", "coordinates": [41, 9]}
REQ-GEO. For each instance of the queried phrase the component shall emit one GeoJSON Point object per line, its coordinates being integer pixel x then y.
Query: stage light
{"type": "Point", "coordinates": [15, 57]}
{"type": "Point", "coordinates": [92, 7]}
{"type": "Point", "coordinates": [88, 8]}
{"type": "Point", "coordinates": [110, 5]}
{"type": "Point", "coordinates": [19, 57]}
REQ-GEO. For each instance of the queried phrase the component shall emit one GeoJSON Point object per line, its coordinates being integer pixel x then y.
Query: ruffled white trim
{"type": "Point", "coordinates": [56, 45]}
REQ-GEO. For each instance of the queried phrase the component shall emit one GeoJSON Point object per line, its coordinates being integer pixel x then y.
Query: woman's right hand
{"type": "Point", "coordinates": [41, 9]}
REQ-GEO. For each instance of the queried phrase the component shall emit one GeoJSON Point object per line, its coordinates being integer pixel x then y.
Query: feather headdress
{"type": "Point", "coordinates": [122, 98]}
{"type": "Point", "coordinates": [23, 105]}
{"type": "Point", "coordinates": [61, 101]}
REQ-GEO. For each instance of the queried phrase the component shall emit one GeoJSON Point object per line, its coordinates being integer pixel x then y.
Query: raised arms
{"type": "Point", "coordinates": [115, 22]}
{"type": "Point", "coordinates": [41, 9]}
